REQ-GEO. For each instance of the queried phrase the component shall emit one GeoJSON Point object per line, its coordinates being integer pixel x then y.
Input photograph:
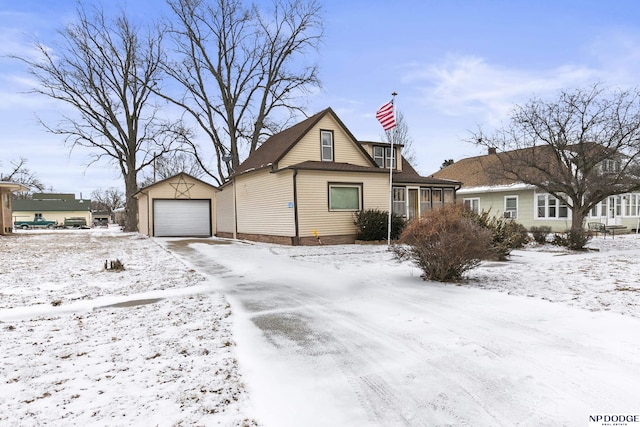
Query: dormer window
{"type": "Point", "coordinates": [390, 158]}
{"type": "Point", "coordinates": [610, 166]}
{"type": "Point", "coordinates": [382, 156]}
{"type": "Point", "coordinates": [378, 156]}
{"type": "Point", "coordinates": [326, 148]}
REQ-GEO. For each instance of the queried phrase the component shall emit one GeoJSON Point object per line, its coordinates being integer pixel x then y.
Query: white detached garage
{"type": "Point", "coordinates": [179, 206]}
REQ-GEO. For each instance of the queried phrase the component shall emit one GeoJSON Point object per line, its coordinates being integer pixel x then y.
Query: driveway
{"type": "Point", "coordinates": [346, 336]}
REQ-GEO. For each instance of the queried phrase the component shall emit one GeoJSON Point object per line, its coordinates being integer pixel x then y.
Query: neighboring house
{"type": "Point", "coordinates": [6, 204]}
{"type": "Point", "coordinates": [529, 206]}
{"type": "Point", "coordinates": [312, 178]}
{"type": "Point", "coordinates": [52, 207]}
{"type": "Point", "coordinates": [179, 206]}
{"type": "Point", "coordinates": [101, 218]}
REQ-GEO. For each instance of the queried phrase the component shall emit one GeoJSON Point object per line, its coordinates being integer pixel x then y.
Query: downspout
{"type": "Point", "coordinates": [235, 210]}
{"type": "Point", "coordinates": [296, 239]}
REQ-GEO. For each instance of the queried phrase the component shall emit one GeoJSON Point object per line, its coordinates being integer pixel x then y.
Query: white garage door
{"type": "Point", "coordinates": [177, 218]}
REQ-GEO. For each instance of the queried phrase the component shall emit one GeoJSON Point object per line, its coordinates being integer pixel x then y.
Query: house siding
{"type": "Point", "coordinates": [225, 214]}
{"type": "Point", "coordinates": [56, 216]}
{"type": "Point", "coordinates": [264, 203]}
{"type": "Point", "coordinates": [494, 202]}
{"type": "Point", "coordinates": [6, 220]}
{"type": "Point", "coordinates": [313, 201]}
{"type": "Point", "coordinates": [308, 148]}
{"type": "Point", "coordinates": [144, 222]}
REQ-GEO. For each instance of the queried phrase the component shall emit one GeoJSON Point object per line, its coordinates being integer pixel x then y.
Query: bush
{"type": "Point", "coordinates": [575, 240]}
{"type": "Point", "coordinates": [372, 224]}
{"type": "Point", "coordinates": [540, 234]}
{"type": "Point", "coordinates": [444, 243]}
{"type": "Point", "coordinates": [506, 234]}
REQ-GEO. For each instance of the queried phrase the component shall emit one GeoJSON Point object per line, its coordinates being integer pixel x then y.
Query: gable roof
{"type": "Point", "coordinates": [278, 145]}
{"type": "Point", "coordinates": [173, 177]}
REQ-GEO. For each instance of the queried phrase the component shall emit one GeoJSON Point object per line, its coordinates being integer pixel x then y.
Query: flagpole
{"type": "Point", "coordinates": [393, 133]}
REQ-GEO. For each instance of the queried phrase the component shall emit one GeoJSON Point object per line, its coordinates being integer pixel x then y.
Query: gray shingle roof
{"type": "Point", "coordinates": [29, 205]}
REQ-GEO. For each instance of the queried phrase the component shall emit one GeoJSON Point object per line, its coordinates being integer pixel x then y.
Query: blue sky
{"type": "Point", "coordinates": [455, 65]}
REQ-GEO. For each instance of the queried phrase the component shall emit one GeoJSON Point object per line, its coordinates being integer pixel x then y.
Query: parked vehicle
{"type": "Point", "coordinates": [75, 222]}
{"type": "Point", "coordinates": [103, 223]}
{"type": "Point", "coordinates": [38, 222]}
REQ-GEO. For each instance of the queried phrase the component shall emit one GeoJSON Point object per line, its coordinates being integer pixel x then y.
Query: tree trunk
{"type": "Point", "coordinates": [577, 220]}
{"type": "Point", "coordinates": [131, 204]}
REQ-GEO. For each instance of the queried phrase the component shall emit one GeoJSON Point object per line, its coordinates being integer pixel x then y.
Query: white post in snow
{"type": "Point", "coordinates": [393, 133]}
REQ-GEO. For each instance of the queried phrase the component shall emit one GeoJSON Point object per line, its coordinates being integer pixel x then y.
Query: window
{"type": "Point", "coordinates": [511, 207]}
{"type": "Point", "coordinates": [425, 200]}
{"type": "Point", "coordinates": [399, 201]}
{"type": "Point", "coordinates": [563, 210]}
{"type": "Point", "coordinates": [37, 216]}
{"type": "Point", "coordinates": [472, 204]}
{"type": "Point", "coordinates": [599, 210]}
{"type": "Point", "coordinates": [390, 158]}
{"type": "Point", "coordinates": [631, 204]}
{"type": "Point", "coordinates": [553, 202]}
{"type": "Point", "coordinates": [550, 207]}
{"type": "Point", "coordinates": [378, 156]}
{"type": "Point", "coordinates": [382, 156]}
{"type": "Point", "coordinates": [542, 206]}
{"type": "Point", "coordinates": [436, 197]}
{"type": "Point", "coordinates": [610, 166]}
{"type": "Point", "coordinates": [326, 137]}
{"type": "Point", "coordinates": [448, 195]}
{"type": "Point", "coordinates": [345, 197]}
{"type": "Point", "coordinates": [6, 200]}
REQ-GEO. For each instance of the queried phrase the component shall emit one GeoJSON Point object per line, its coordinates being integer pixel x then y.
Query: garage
{"type": "Point", "coordinates": [178, 206]}
{"type": "Point", "coordinates": [174, 218]}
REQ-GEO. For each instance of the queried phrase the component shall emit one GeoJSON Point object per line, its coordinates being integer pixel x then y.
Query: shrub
{"type": "Point", "coordinates": [506, 234]}
{"type": "Point", "coordinates": [444, 243]}
{"type": "Point", "coordinates": [575, 240]}
{"type": "Point", "coordinates": [540, 234]}
{"type": "Point", "coordinates": [372, 224]}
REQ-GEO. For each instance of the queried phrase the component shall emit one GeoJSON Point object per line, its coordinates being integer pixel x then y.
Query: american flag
{"type": "Point", "coordinates": [386, 117]}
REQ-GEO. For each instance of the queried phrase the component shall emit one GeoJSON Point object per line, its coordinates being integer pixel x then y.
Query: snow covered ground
{"type": "Point", "coordinates": [211, 332]}
{"type": "Point", "coordinates": [150, 345]}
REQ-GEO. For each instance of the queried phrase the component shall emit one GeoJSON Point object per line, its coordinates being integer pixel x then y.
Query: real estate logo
{"type": "Point", "coordinates": [614, 420]}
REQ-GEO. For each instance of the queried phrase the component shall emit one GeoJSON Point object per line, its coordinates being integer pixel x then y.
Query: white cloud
{"type": "Point", "coordinates": [469, 85]}
{"type": "Point", "coordinates": [618, 56]}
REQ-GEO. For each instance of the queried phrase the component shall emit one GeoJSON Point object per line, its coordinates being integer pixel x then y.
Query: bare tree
{"type": "Point", "coordinates": [104, 70]}
{"type": "Point", "coordinates": [107, 200]}
{"type": "Point", "coordinates": [580, 148]}
{"type": "Point", "coordinates": [172, 164]}
{"type": "Point", "coordinates": [20, 174]}
{"type": "Point", "coordinates": [401, 135]}
{"type": "Point", "coordinates": [243, 71]}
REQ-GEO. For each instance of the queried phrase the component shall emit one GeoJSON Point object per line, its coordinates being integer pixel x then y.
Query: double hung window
{"type": "Point", "coordinates": [511, 207]}
{"type": "Point", "coordinates": [326, 145]}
